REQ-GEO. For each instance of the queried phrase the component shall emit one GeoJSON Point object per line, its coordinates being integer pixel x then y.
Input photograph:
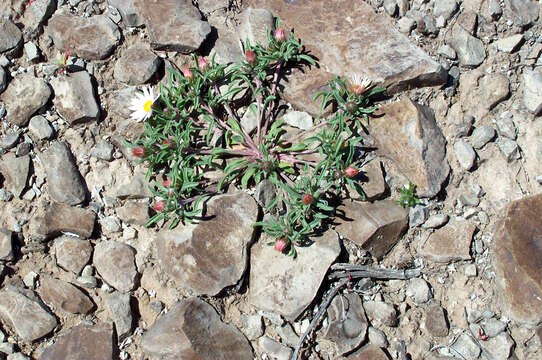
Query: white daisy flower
{"type": "Point", "coordinates": [141, 105]}
{"type": "Point", "coordinates": [360, 84]}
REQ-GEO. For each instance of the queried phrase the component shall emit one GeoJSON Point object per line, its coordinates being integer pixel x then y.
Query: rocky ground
{"type": "Point", "coordinates": [456, 277]}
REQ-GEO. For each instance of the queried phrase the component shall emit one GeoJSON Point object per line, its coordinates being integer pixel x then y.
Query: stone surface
{"type": "Point", "coordinates": [40, 128]}
{"type": "Point", "coordinates": [408, 134]}
{"type": "Point", "coordinates": [192, 329]}
{"type": "Point", "coordinates": [382, 312]}
{"type": "Point", "coordinates": [435, 221]}
{"type": "Point", "coordinates": [128, 10]}
{"type": "Point", "coordinates": [481, 136]}
{"type": "Point", "coordinates": [174, 25]}
{"type": "Point", "coordinates": [466, 346]}
{"type": "Point", "coordinates": [64, 218]}
{"type": "Point", "coordinates": [465, 154]}
{"type": "Point", "coordinates": [419, 291]}
{"type": "Point", "coordinates": [103, 151]}
{"type": "Point", "coordinates": [435, 321]}
{"type": "Point", "coordinates": [495, 88]}
{"type": "Point", "coordinates": [369, 352]}
{"type": "Point", "coordinates": [509, 149]}
{"type": "Point", "coordinates": [287, 287]}
{"type": "Point", "coordinates": [20, 310]}
{"type": "Point", "coordinates": [9, 140]}
{"type": "Point", "coordinates": [95, 342]}
{"type": "Point", "coordinates": [470, 50]}
{"type": "Point", "coordinates": [298, 119]}
{"type": "Point", "coordinates": [449, 243]}
{"type": "Point", "coordinates": [38, 11]}
{"type": "Point", "coordinates": [3, 79]}
{"type": "Point", "coordinates": [506, 128]}
{"type": "Point", "coordinates": [376, 227]}
{"type": "Point", "coordinates": [137, 187]}
{"type": "Point", "coordinates": [350, 48]}
{"type": "Point", "coordinates": [15, 171]}
{"type": "Point", "coordinates": [509, 44]}
{"type": "Point", "coordinates": [11, 36]}
{"type": "Point", "coordinates": [62, 295]}
{"type": "Point", "coordinates": [6, 245]}
{"type": "Point", "coordinates": [115, 262]}
{"type": "Point", "coordinates": [134, 212]}
{"type": "Point", "coordinates": [120, 311]}
{"type": "Point", "coordinates": [274, 349]}
{"type": "Point", "coordinates": [74, 98]}
{"type": "Point", "coordinates": [518, 259]}
{"type": "Point", "coordinates": [72, 254]}
{"type": "Point", "coordinates": [211, 255]}
{"type": "Point", "coordinates": [254, 24]}
{"type": "Point", "coordinates": [522, 12]}
{"type": "Point", "coordinates": [137, 65]}
{"type": "Point", "coordinates": [64, 182]}
{"type": "Point", "coordinates": [347, 324]}
{"type": "Point", "coordinates": [500, 346]}
{"type": "Point", "coordinates": [24, 96]}
{"type": "Point", "coordinates": [532, 91]}
{"type": "Point", "coordinates": [445, 8]}
{"type": "Point", "coordinates": [90, 38]}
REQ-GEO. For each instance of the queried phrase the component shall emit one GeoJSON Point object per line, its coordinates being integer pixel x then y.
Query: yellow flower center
{"type": "Point", "coordinates": [147, 105]}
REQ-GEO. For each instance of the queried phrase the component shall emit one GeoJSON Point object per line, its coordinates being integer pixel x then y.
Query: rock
{"type": "Point", "coordinates": [298, 119]}
{"type": "Point", "coordinates": [447, 51]}
{"type": "Point", "coordinates": [391, 7]}
{"type": "Point", "coordinates": [466, 346]}
{"type": "Point", "coordinates": [103, 151]}
{"type": "Point", "coordinates": [435, 221]}
{"type": "Point", "coordinates": [494, 9]}
{"type": "Point", "coordinates": [347, 324]}
{"type": "Point", "coordinates": [382, 312]}
{"type": "Point", "coordinates": [90, 38]}
{"type": "Point", "coordinates": [227, 48]}
{"type": "Point", "coordinates": [435, 321]}
{"type": "Point", "coordinates": [417, 215]}
{"type": "Point", "coordinates": [174, 25]}
{"type": "Point", "coordinates": [115, 262]}
{"type": "Point", "coordinates": [111, 224]}
{"type": "Point", "coordinates": [468, 20]}
{"type": "Point", "coordinates": [9, 140]}
{"type": "Point", "coordinates": [24, 313]}
{"type": "Point", "coordinates": [274, 349]}
{"type": "Point", "coordinates": [63, 218]}
{"type": "Point", "coordinates": [254, 25]}
{"type": "Point", "coordinates": [373, 182]}
{"type": "Point", "coordinates": [377, 337]}
{"type": "Point", "coordinates": [374, 226]}
{"type": "Point", "coordinates": [481, 136]}
{"type": "Point", "coordinates": [408, 134]}
{"type": "Point", "coordinates": [6, 245]}
{"type": "Point", "coordinates": [500, 346]}
{"type": "Point", "coordinates": [469, 199]}
{"type": "Point", "coordinates": [368, 352]}
{"type": "Point", "coordinates": [72, 254]}
{"type": "Point", "coordinates": [15, 171]}
{"type": "Point", "coordinates": [471, 270]}
{"type": "Point", "coordinates": [7, 348]}
{"type": "Point", "coordinates": [470, 50]}
{"type": "Point", "coordinates": [493, 327]}
{"type": "Point", "coordinates": [418, 290]}
{"type": "Point", "coordinates": [287, 287]}
{"type": "Point", "coordinates": [495, 88]}
{"type": "Point", "coordinates": [350, 48]}
{"type": "Point", "coordinates": [17, 356]}
{"type": "Point", "coordinates": [32, 52]}
{"type": "Point", "coordinates": [449, 243]}
{"type": "Point", "coordinates": [94, 341]}
{"type": "Point", "coordinates": [134, 213]}
{"type": "Point", "coordinates": [253, 326]}
{"type": "Point", "coordinates": [63, 295]}
{"type": "Point", "coordinates": [506, 128]}
{"type": "Point", "coordinates": [40, 128]}
{"type": "Point", "coordinates": [509, 44]}
{"type": "Point", "coordinates": [130, 13]}
{"type": "Point", "coordinates": [465, 154]}
{"type": "Point", "coordinates": [24, 96]}
{"type": "Point", "coordinates": [509, 148]}
{"type": "Point", "coordinates": [137, 187]}
{"type": "Point", "coordinates": [137, 65]}
{"type": "Point", "coordinates": [211, 255]}
{"type": "Point", "coordinates": [405, 25]}
{"type": "Point", "coordinates": [522, 12]}
{"type": "Point", "coordinates": [11, 38]}
{"type": "Point", "coordinates": [445, 8]}
{"type": "Point", "coordinates": [30, 279]}
{"type": "Point", "coordinates": [191, 327]}
{"type": "Point", "coordinates": [3, 80]}
{"type": "Point", "coordinates": [288, 335]}
{"type": "Point", "coordinates": [120, 311]}
{"type": "Point", "coordinates": [249, 121]}
{"type": "Point", "coordinates": [37, 12]}
{"type": "Point", "coordinates": [74, 98]}
{"type": "Point", "coordinates": [518, 242]}
{"type": "Point", "coordinates": [64, 181]}
{"type": "Point", "coordinates": [532, 91]}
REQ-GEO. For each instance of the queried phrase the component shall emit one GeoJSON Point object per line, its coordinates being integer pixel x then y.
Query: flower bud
{"type": "Point", "coordinates": [187, 73]}
{"type": "Point", "coordinates": [138, 151]}
{"type": "Point", "coordinates": [281, 244]}
{"type": "Point", "coordinates": [279, 35]}
{"type": "Point", "coordinates": [351, 106]}
{"type": "Point", "coordinates": [250, 57]}
{"type": "Point", "coordinates": [159, 206]}
{"type": "Point", "coordinates": [203, 64]}
{"type": "Point", "coordinates": [307, 199]}
{"type": "Point", "coordinates": [167, 182]}
{"type": "Point", "coordinates": [351, 171]}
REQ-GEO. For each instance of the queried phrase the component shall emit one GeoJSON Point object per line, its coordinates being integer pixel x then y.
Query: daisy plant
{"type": "Point", "coordinates": [195, 145]}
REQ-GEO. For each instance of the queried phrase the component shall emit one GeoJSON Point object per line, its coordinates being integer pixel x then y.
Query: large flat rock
{"type": "Point", "coordinates": [74, 98]}
{"type": "Point", "coordinates": [211, 255]}
{"type": "Point", "coordinates": [349, 37]}
{"type": "Point", "coordinates": [25, 95]}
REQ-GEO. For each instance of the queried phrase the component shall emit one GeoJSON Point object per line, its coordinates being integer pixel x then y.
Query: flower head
{"type": "Point", "coordinates": [203, 64]}
{"type": "Point", "coordinates": [307, 199]}
{"type": "Point", "coordinates": [167, 182]}
{"type": "Point", "coordinates": [281, 244]}
{"type": "Point", "coordinates": [141, 105]}
{"type": "Point", "coordinates": [250, 57]}
{"type": "Point", "coordinates": [138, 151]}
{"type": "Point", "coordinates": [360, 84]}
{"type": "Point", "coordinates": [187, 73]}
{"type": "Point", "coordinates": [279, 35]}
{"type": "Point", "coordinates": [351, 171]}
{"type": "Point", "coordinates": [159, 205]}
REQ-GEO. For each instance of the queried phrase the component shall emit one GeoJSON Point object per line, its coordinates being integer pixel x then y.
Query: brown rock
{"type": "Point", "coordinates": [134, 212]}
{"type": "Point", "coordinates": [21, 108]}
{"type": "Point", "coordinates": [137, 65]}
{"type": "Point", "coordinates": [6, 245]}
{"type": "Point", "coordinates": [376, 227]}
{"type": "Point", "coordinates": [435, 321]}
{"type": "Point", "coordinates": [344, 47]}
{"type": "Point", "coordinates": [192, 329]}
{"type": "Point", "coordinates": [449, 243]}
{"type": "Point", "coordinates": [63, 295]}
{"type": "Point", "coordinates": [64, 218]}
{"type": "Point", "coordinates": [136, 188]}
{"type": "Point", "coordinates": [115, 262]}
{"type": "Point", "coordinates": [518, 251]}
{"type": "Point", "coordinates": [408, 134]}
{"type": "Point", "coordinates": [212, 254]}
{"type": "Point", "coordinates": [372, 181]}
{"type": "Point", "coordinates": [74, 98]}
{"type": "Point", "coordinates": [368, 352]}
{"type": "Point", "coordinates": [11, 37]}
{"type": "Point", "coordinates": [72, 253]}
{"type": "Point", "coordinates": [15, 171]}
{"type": "Point", "coordinates": [95, 342]}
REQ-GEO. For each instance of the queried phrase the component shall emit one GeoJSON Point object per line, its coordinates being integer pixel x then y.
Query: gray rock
{"type": "Point", "coordinates": [382, 312]}
{"type": "Point", "coordinates": [30, 279]}
{"type": "Point", "coordinates": [481, 136]}
{"type": "Point", "coordinates": [254, 25]}
{"type": "Point", "coordinates": [25, 314]}
{"type": "Point", "coordinates": [40, 128]}
{"type": "Point", "coordinates": [64, 296]}
{"type": "Point", "coordinates": [522, 12]}
{"type": "Point", "coordinates": [17, 356]}
{"type": "Point", "coordinates": [72, 254]}
{"type": "Point", "coordinates": [447, 51]}
{"type": "Point", "coordinates": [32, 51]}
{"type": "Point", "coordinates": [7, 348]}
{"type": "Point", "coordinates": [11, 38]}
{"type": "Point", "coordinates": [6, 245]}
{"type": "Point", "coordinates": [249, 121]}
{"type": "Point", "coordinates": [494, 89]}
{"type": "Point", "coordinates": [406, 25]}
{"type": "Point", "coordinates": [115, 262]}
{"type": "Point", "coordinates": [63, 218]}
{"type": "Point", "coordinates": [449, 243]}
{"type": "Point", "coordinates": [418, 290]}
{"type": "Point", "coordinates": [136, 188]}
{"type": "Point", "coordinates": [137, 65]}
{"type": "Point", "coordinates": [9, 141]}
{"type": "Point", "coordinates": [103, 151]}
{"type": "Point", "coordinates": [134, 212]}
{"type": "Point", "coordinates": [298, 119]}
{"type": "Point", "coordinates": [120, 311]}
{"type": "Point", "coordinates": [37, 12]}
{"type": "Point", "coordinates": [506, 128]}
{"type": "Point", "coordinates": [23, 149]}
{"type": "Point", "coordinates": [90, 38]}
{"type": "Point", "coordinates": [209, 6]}
{"type": "Point", "coordinates": [465, 154]}
{"type": "Point", "coordinates": [509, 44]}
{"type": "Point", "coordinates": [131, 15]}
{"type": "Point", "coordinates": [493, 327]}
{"type": "Point", "coordinates": [190, 327]}
{"type": "Point", "coordinates": [445, 8]}
{"type": "Point", "coordinates": [500, 346]}
{"type": "Point", "coordinates": [3, 80]}
{"type": "Point", "coordinates": [435, 221]}
{"type": "Point", "coordinates": [417, 215]}
{"type": "Point", "coordinates": [74, 98]}
{"type": "Point", "coordinates": [391, 7]}
{"type": "Point", "coordinates": [470, 50]}
{"type": "Point", "coordinates": [435, 321]}
{"type": "Point", "coordinates": [274, 349]}
{"type": "Point", "coordinates": [469, 199]}
{"type": "Point", "coordinates": [227, 48]}
{"type": "Point", "coordinates": [288, 335]}
{"type": "Point", "coordinates": [5, 195]}
{"type": "Point", "coordinates": [15, 171]}
{"type": "Point", "coordinates": [532, 91]}
{"type": "Point", "coordinates": [87, 281]}
{"type": "Point", "coordinates": [64, 182]}
{"type": "Point", "coordinates": [494, 9]}
{"type": "Point", "coordinates": [21, 108]}
{"type": "Point", "coordinates": [471, 270]}
{"type": "Point", "coordinates": [253, 326]}
{"type": "Point", "coordinates": [509, 148]}
{"type": "Point", "coordinates": [377, 338]}
{"type": "Point", "coordinates": [111, 224]}
{"type": "Point", "coordinates": [466, 346]}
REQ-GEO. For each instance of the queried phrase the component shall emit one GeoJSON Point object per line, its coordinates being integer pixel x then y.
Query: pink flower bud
{"type": "Point", "coordinates": [307, 199]}
{"type": "Point", "coordinates": [280, 245]}
{"type": "Point", "coordinates": [351, 171]}
{"type": "Point", "coordinates": [159, 205]}
{"type": "Point", "coordinates": [250, 56]}
{"type": "Point", "coordinates": [138, 151]}
{"type": "Point", "coordinates": [167, 182]}
{"type": "Point", "coordinates": [187, 73]}
{"type": "Point", "coordinates": [279, 35]}
{"type": "Point", "coordinates": [203, 64]}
